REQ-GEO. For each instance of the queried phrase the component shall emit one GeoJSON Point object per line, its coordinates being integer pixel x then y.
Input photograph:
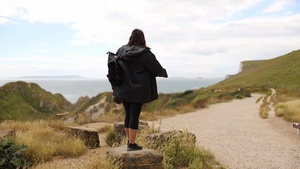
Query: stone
{"type": "Point", "coordinates": [7, 133]}
{"type": "Point", "coordinates": [143, 125]}
{"type": "Point", "coordinates": [120, 132]}
{"type": "Point", "coordinates": [157, 139]}
{"type": "Point", "coordinates": [142, 159]}
{"type": "Point", "coordinates": [89, 136]}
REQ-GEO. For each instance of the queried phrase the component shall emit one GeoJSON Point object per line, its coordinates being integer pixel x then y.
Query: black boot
{"type": "Point", "coordinates": [133, 147]}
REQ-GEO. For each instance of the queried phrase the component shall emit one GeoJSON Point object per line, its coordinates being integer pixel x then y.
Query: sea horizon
{"type": "Point", "coordinates": [74, 88]}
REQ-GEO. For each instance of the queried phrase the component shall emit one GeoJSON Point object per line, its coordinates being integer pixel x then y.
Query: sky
{"type": "Point", "coordinates": [191, 38]}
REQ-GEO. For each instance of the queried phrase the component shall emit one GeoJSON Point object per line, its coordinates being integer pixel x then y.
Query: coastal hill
{"type": "Point", "coordinates": [25, 101]}
{"type": "Point", "coordinates": [53, 77]}
{"type": "Point", "coordinates": [282, 71]}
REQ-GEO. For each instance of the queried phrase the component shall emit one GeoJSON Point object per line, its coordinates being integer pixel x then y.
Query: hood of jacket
{"type": "Point", "coordinates": [131, 52]}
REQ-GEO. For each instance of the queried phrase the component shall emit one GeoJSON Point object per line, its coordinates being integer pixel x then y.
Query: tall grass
{"type": "Point", "coordinates": [96, 160]}
{"type": "Point", "coordinates": [99, 160]}
{"type": "Point", "coordinates": [290, 111]}
{"type": "Point", "coordinates": [45, 143]}
{"type": "Point", "coordinates": [26, 125]}
{"type": "Point", "coordinates": [264, 112]}
{"type": "Point", "coordinates": [45, 140]}
{"type": "Point", "coordinates": [284, 95]}
{"type": "Point", "coordinates": [264, 107]}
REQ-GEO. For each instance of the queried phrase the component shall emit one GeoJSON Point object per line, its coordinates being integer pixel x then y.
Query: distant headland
{"type": "Point", "coordinates": [53, 77]}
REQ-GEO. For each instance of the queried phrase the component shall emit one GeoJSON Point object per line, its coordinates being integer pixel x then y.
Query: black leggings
{"type": "Point", "coordinates": [132, 114]}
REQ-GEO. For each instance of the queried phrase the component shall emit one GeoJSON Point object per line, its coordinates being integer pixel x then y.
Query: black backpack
{"type": "Point", "coordinates": [117, 69]}
{"type": "Point", "coordinates": [114, 75]}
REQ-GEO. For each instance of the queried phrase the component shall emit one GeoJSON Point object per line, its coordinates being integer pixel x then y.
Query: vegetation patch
{"type": "Point", "coordinates": [264, 107]}
{"type": "Point", "coordinates": [290, 111]}
{"type": "Point", "coordinates": [106, 128]}
{"type": "Point", "coordinates": [11, 154]}
{"type": "Point", "coordinates": [20, 100]}
{"type": "Point", "coordinates": [110, 138]}
{"type": "Point", "coordinates": [45, 140]}
{"type": "Point", "coordinates": [180, 151]}
{"type": "Point", "coordinates": [45, 143]}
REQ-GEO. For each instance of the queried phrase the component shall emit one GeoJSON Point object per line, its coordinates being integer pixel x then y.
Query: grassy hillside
{"type": "Point", "coordinates": [246, 65]}
{"type": "Point", "coordinates": [281, 72]}
{"type": "Point", "coordinates": [25, 101]}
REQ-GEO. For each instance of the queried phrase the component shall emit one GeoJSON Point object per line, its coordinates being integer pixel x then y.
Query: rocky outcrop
{"type": "Point", "coordinates": [7, 133]}
{"type": "Point", "coordinates": [94, 108]}
{"type": "Point", "coordinates": [81, 100]}
{"type": "Point", "coordinates": [142, 159]}
{"type": "Point", "coordinates": [120, 132]}
{"type": "Point", "coordinates": [89, 136]}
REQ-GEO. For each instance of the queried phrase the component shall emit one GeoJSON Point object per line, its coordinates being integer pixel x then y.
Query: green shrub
{"type": "Point", "coordinates": [247, 93]}
{"type": "Point", "coordinates": [11, 155]}
{"type": "Point", "coordinates": [180, 99]}
{"type": "Point", "coordinates": [238, 96]}
{"type": "Point", "coordinates": [202, 103]}
{"type": "Point", "coordinates": [184, 93]}
{"type": "Point", "coordinates": [110, 138]}
{"type": "Point", "coordinates": [180, 150]}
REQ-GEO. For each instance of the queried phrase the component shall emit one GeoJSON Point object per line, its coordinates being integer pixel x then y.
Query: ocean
{"type": "Point", "coordinates": [72, 89]}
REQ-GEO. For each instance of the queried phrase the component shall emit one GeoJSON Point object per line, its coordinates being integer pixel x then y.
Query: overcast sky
{"type": "Point", "coordinates": [190, 38]}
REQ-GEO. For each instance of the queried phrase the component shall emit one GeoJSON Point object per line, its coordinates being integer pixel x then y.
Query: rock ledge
{"type": "Point", "coordinates": [142, 159]}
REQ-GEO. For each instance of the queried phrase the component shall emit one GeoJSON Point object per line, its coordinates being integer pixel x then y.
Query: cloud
{"type": "Point", "coordinates": [3, 20]}
{"type": "Point", "coordinates": [189, 38]}
{"type": "Point", "coordinates": [101, 21]}
{"type": "Point", "coordinates": [88, 66]}
{"type": "Point", "coordinates": [278, 6]}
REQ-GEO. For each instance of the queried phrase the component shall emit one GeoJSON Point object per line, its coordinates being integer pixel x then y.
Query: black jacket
{"type": "Point", "coordinates": [143, 68]}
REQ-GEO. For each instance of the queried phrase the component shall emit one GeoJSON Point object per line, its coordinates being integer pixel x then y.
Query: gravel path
{"type": "Point", "coordinates": [239, 138]}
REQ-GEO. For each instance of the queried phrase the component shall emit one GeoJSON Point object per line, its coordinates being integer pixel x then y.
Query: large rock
{"type": "Point", "coordinates": [142, 159]}
{"type": "Point", "coordinates": [120, 132]}
{"type": "Point", "coordinates": [89, 136]}
{"type": "Point", "coordinates": [157, 139]}
{"type": "Point", "coordinates": [7, 133]}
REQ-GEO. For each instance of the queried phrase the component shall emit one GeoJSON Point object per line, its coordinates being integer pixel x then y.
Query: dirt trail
{"type": "Point", "coordinates": [239, 138]}
{"type": "Point", "coordinates": [234, 132]}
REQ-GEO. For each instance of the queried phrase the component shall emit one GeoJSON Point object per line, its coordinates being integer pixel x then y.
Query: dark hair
{"type": "Point", "coordinates": [137, 38]}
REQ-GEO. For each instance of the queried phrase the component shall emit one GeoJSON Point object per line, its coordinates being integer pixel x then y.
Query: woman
{"type": "Point", "coordinates": [141, 86]}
